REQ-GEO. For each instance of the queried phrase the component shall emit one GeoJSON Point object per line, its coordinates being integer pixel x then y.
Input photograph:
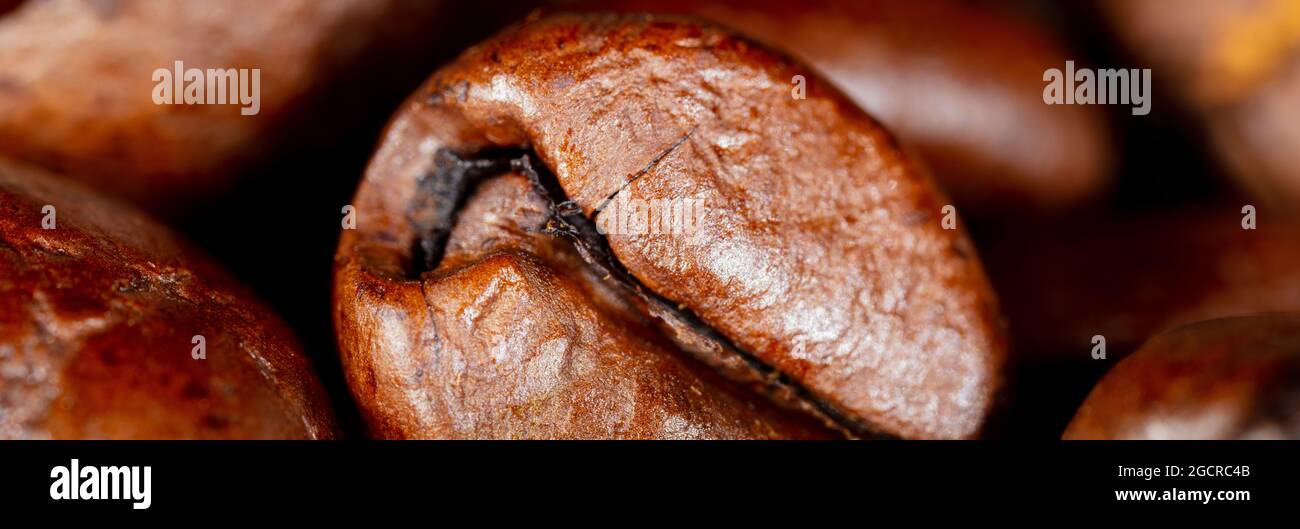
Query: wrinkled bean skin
{"type": "Point", "coordinates": [541, 348]}
{"type": "Point", "coordinates": [820, 257]}
{"type": "Point", "coordinates": [961, 84]}
{"type": "Point", "coordinates": [97, 319]}
{"type": "Point", "coordinates": [1233, 378]}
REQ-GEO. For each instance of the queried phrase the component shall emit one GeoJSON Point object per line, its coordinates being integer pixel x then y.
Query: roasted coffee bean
{"type": "Point", "coordinates": [1236, 65]}
{"type": "Point", "coordinates": [486, 291]}
{"type": "Point", "coordinates": [1126, 279]}
{"type": "Point", "coordinates": [91, 90]}
{"type": "Point", "coordinates": [111, 327]}
{"type": "Point", "coordinates": [527, 342]}
{"type": "Point", "coordinates": [1234, 378]}
{"type": "Point", "coordinates": [961, 83]}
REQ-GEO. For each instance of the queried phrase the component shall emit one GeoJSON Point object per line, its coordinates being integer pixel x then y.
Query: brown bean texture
{"type": "Point", "coordinates": [99, 307]}
{"type": "Point", "coordinates": [1233, 378]}
{"type": "Point", "coordinates": [484, 295]}
{"type": "Point", "coordinates": [962, 84]}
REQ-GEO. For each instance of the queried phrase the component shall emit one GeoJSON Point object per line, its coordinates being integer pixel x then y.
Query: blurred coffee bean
{"type": "Point", "coordinates": [81, 83]}
{"type": "Point", "coordinates": [1236, 65]}
{"type": "Point", "coordinates": [112, 327]}
{"type": "Point", "coordinates": [1235, 378]}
